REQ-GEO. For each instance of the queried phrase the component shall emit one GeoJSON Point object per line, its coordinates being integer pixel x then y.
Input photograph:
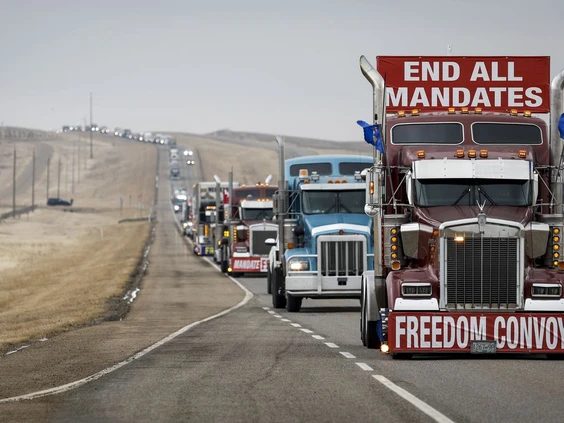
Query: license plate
{"type": "Point", "coordinates": [483, 347]}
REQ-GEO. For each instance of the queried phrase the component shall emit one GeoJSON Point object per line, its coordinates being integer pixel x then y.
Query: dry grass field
{"type": "Point", "coordinates": [59, 268]}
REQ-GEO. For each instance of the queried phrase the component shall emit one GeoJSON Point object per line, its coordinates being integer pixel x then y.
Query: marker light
{"type": "Point", "coordinates": [460, 153]}
{"type": "Point", "coordinates": [436, 232]}
{"type": "Point", "coordinates": [396, 265]}
{"type": "Point", "coordinates": [394, 231]}
{"type": "Point", "coordinates": [522, 154]}
{"type": "Point", "coordinates": [478, 110]}
{"type": "Point", "coordinates": [484, 154]}
{"type": "Point", "coordinates": [415, 112]}
{"type": "Point", "coordinates": [401, 113]}
{"type": "Point", "coordinates": [513, 112]}
{"type": "Point", "coordinates": [556, 231]}
{"type": "Point", "coordinates": [527, 113]}
{"type": "Point", "coordinates": [421, 154]}
{"type": "Point", "coordinates": [464, 110]}
{"type": "Point", "coordinates": [303, 173]}
{"type": "Point", "coordinates": [371, 188]}
{"type": "Point", "coordinates": [471, 154]}
{"type": "Point", "coordinates": [451, 110]}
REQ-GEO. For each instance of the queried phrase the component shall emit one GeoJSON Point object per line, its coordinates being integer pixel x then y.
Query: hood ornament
{"type": "Point", "coordinates": [481, 216]}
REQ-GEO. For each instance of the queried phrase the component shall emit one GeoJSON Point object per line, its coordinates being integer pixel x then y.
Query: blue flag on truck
{"type": "Point", "coordinates": [561, 126]}
{"type": "Point", "coordinates": [372, 135]}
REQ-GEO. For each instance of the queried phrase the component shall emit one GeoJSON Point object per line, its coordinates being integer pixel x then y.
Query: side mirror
{"type": "Point", "coordinates": [270, 241]}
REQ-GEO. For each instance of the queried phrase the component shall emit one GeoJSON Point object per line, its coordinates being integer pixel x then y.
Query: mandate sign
{"type": "Point", "coordinates": [435, 83]}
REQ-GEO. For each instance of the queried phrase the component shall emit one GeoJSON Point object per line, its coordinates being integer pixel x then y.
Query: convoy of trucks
{"type": "Point", "coordinates": [465, 191]}
{"type": "Point", "coordinates": [450, 234]}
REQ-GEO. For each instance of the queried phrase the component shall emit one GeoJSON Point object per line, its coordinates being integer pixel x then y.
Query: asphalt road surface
{"type": "Point", "coordinates": [256, 364]}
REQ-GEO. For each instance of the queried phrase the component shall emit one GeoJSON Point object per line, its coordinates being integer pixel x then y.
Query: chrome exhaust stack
{"type": "Point", "coordinates": [377, 178]}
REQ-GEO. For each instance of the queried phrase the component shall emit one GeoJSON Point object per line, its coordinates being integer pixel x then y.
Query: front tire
{"type": "Point", "coordinates": [278, 299]}
{"type": "Point", "coordinates": [368, 334]}
{"type": "Point", "coordinates": [293, 304]}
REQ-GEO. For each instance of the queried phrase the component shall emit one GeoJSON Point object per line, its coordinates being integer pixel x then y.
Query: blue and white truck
{"type": "Point", "coordinates": [324, 238]}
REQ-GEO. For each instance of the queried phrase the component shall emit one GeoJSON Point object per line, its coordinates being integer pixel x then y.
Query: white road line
{"type": "Point", "coordinates": [266, 308]}
{"type": "Point", "coordinates": [285, 320]}
{"type": "Point", "coordinates": [347, 354]}
{"type": "Point", "coordinates": [317, 337]}
{"type": "Point", "coordinates": [95, 376]}
{"type": "Point", "coordinates": [296, 325]}
{"type": "Point", "coordinates": [277, 315]}
{"type": "Point", "coordinates": [365, 367]}
{"type": "Point", "coordinates": [424, 407]}
{"type": "Point", "coordinates": [306, 330]}
{"type": "Point", "coordinates": [271, 312]}
{"type": "Point", "coordinates": [331, 345]}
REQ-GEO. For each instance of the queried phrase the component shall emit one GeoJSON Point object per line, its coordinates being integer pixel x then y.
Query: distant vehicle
{"type": "Point", "coordinates": [188, 153]}
{"type": "Point", "coordinates": [203, 246]}
{"type": "Point", "coordinates": [174, 156]}
{"type": "Point", "coordinates": [55, 201]}
{"type": "Point", "coordinates": [174, 173]}
{"type": "Point", "coordinates": [174, 163]}
{"type": "Point", "coordinates": [67, 128]}
{"type": "Point", "coordinates": [190, 162]}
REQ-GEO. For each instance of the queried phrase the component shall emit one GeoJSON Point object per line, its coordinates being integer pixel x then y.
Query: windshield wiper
{"type": "Point", "coordinates": [483, 191]}
{"type": "Point", "coordinates": [466, 191]}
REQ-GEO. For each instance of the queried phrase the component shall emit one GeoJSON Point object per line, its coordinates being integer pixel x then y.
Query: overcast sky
{"type": "Point", "coordinates": [288, 67]}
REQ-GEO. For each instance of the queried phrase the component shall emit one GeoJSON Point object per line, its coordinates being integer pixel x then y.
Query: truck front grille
{"type": "Point", "coordinates": [481, 272]}
{"type": "Point", "coordinates": [258, 236]}
{"type": "Point", "coordinates": [341, 258]}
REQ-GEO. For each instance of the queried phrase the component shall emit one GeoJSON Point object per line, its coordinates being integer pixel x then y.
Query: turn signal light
{"type": "Point", "coordinates": [290, 245]}
{"type": "Point", "coordinates": [396, 265]}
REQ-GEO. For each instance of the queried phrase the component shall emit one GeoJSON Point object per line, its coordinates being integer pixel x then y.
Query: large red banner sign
{"type": "Point", "coordinates": [435, 83]}
{"type": "Point", "coordinates": [249, 264]}
{"type": "Point", "coordinates": [455, 332]}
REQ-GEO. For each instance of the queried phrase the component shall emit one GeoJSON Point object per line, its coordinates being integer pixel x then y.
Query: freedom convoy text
{"type": "Point", "coordinates": [436, 83]}
{"type": "Point", "coordinates": [456, 331]}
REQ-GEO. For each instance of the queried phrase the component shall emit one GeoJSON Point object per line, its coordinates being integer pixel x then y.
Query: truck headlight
{"type": "Point", "coordinates": [416, 290]}
{"type": "Point", "coordinates": [297, 266]}
{"type": "Point", "coordinates": [546, 290]}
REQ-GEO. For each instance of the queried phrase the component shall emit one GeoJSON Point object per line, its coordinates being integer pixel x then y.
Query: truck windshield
{"type": "Point", "coordinates": [470, 192]}
{"type": "Point", "coordinates": [319, 202]}
{"type": "Point", "coordinates": [256, 214]}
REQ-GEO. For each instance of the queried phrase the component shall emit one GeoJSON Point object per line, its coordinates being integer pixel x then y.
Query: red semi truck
{"type": "Point", "coordinates": [249, 225]}
{"type": "Point", "coordinates": [466, 196]}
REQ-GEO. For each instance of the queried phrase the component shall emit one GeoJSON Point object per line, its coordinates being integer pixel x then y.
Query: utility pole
{"type": "Point", "coordinates": [48, 169]}
{"type": "Point", "coordinates": [33, 180]}
{"type": "Point", "coordinates": [91, 151]}
{"type": "Point", "coordinates": [66, 176]}
{"type": "Point", "coordinates": [14, 186]}
{"type": "Point", "coordinates": [59, 179]}
{"type": "Point", "coordinates": [73, 154]}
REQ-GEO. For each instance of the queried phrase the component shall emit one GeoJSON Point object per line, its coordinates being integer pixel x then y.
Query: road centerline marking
{"type": "Point", "coordinates": [421, 405]}
{"type": "Point", "coordinates": [346, 354]}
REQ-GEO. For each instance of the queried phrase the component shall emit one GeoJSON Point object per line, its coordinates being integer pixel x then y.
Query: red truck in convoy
{"type": "Point", "coordinates": [246, 228]}
{"type": "Point", "coordinates": [466, 196]}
